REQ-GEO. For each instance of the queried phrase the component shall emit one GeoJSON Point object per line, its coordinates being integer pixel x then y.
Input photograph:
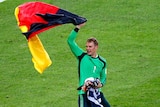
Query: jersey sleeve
{"type": "Point", "coordinates": [76, 50]}
{"type": "Point", "coordinates": [103, 74]}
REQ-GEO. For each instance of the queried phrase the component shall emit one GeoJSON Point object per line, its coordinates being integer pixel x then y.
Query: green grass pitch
{"type": "Point", "coordinates": [129, 38]}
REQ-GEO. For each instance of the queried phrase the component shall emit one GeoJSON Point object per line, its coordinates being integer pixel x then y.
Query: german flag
{"type": "Point", "coordinates": [36, 17]}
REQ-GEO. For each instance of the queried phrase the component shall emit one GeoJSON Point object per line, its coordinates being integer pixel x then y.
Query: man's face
{"type": "Point", "coordinates": [91, 49]}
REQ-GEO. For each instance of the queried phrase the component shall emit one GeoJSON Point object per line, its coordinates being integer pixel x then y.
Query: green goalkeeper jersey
{"type": "Point", "coordinates": [87, 65]}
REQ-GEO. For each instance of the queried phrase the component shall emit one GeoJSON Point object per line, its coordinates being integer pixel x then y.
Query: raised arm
{"type": "Point", "coordinates": [76, 50]}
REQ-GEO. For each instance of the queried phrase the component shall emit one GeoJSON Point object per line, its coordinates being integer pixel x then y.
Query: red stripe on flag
{"type": "Point", "coordinates": [29, 10]}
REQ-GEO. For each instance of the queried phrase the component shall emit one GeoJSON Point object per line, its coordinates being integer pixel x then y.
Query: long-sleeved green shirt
{"type": "Point", "coordinates": [87, 65]}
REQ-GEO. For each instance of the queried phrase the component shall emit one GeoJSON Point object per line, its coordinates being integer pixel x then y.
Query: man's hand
{"type": "Point", "coordinates": [97, 83]}
{"type": "Point", "coordinates": [80, 25]}
{"type": "Point", "coordinates": [86, 85]}
{"type": "Point", "coordinates": [94, 84]}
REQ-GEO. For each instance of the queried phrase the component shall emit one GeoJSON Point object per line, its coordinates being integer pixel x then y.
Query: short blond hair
{"type": "Point", "coordinates": [94, 40]}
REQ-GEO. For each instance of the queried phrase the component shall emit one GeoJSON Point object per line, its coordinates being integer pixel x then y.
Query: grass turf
{"type": "Point", "coordinates": [128, 33]}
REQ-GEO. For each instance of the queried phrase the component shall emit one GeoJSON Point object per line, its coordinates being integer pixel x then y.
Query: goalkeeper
{"type": "Point", "coordinates": [90, 64]}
